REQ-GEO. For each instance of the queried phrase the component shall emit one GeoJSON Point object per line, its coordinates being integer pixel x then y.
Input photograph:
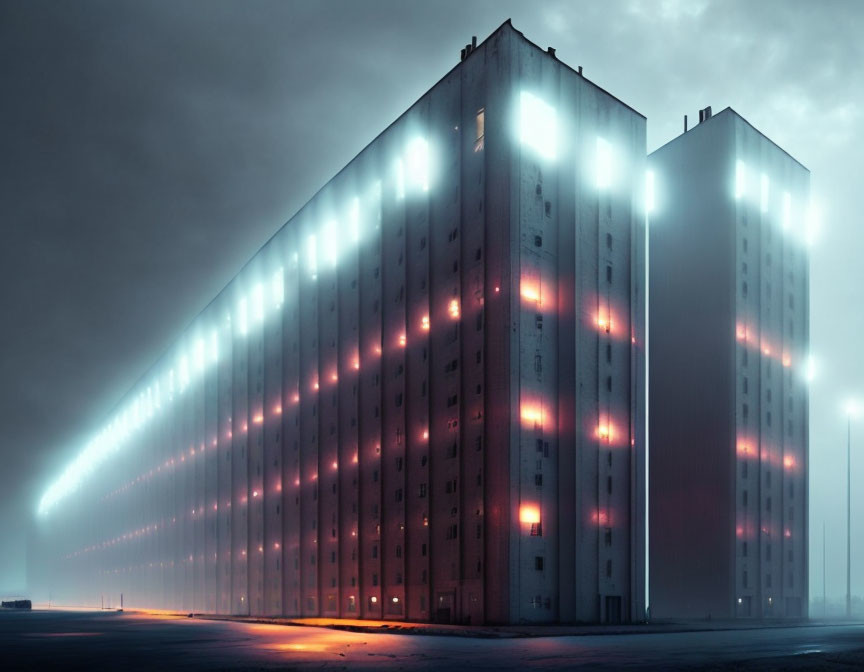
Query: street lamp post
{"type": "Point", "coordinates": [851, 409]}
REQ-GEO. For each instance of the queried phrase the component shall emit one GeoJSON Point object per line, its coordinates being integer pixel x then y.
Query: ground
{"type": "Point", "coordinates": [54, 639]}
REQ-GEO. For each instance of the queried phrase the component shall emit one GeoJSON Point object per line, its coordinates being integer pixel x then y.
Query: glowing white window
{"type": "Point", "coordinates": [649, 191]}
{"type": "Point", "coordinates": [277, 287]}
{"type": "Point", "coordinates": [355, 219]}
{"type": "Point", "coordinates": [763, 193]}
{"type": "Point", "coordinates": [199, 355]}
{"type": "Point", "coordinates": [740, 178]}
{"type": "Point", "coordinates": [330, 239]}
{"type": "Point", "coordinates": [787, 210]}
{"type": "Point", "coordinates": [183, 372]}
{"type": "Point", "coordinates": [312, 255]}
{"type": "Point", "coordinates": [242, 317]}
{"type": "Point", "coordinates": [400, 179]}
{"type": "Point", "coordinates": [417, 164]}
{"type": "Point", "coordinates": [538, 125]}
{"type": "Point", "coordinates": [214, 346]}
{"type": "Point", "coordinates": [603, 162]}
{"type": "Point", "coordinates": [258, 302]}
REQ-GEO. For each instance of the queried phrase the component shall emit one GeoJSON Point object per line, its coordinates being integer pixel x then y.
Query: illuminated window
{"type": "Point", "coordinates": [277, 288]}
{"type": "Point", "coordinates": [331, 243]}
{"type": "Point", "coordinates": [312, 255]}
{"type": "Point", "coordinates": [417, 165]}
{"type": "Point", "coordinates": [603, 164]}
{"type": "Point", "coordinates": [480, 133]}
{"type": "Point", "coordinates": [529, 514]}
{"type": "Point", "coordinates": [537, 125]}
{"type": "Point", "coordinates": [242, 317]}
{"type": "Point", "coordinates": [258, 302]}
{"type": "Point", "coordinates": [355, 219]}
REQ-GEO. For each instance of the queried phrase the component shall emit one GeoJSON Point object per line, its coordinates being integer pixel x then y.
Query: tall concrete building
{"type": "Point", "coordinates": [423, 399]}
{"type": "Point", "coordinates": [727, 377]}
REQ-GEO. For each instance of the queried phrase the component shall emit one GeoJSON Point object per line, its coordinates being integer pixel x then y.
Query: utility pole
{"type": "Point", "coordinates": [824, 596]}
{"type": "Point", "coordinates": [849, 516]}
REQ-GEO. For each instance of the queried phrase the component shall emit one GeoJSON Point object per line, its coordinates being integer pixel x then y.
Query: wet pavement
{"type": "Point", "coordinates": [54, 639]}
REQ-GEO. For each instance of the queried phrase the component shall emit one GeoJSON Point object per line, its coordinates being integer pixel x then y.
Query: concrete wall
{"type": "Point", "coordinates": [710, 439]}
{"type": "Point", "coordinates": [339, 433]}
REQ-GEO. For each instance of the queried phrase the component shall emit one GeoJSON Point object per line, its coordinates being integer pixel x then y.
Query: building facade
{"type": "Point", "coordinates": [729, 339]}
{"type": "Point", "coordinates": [423, 399]}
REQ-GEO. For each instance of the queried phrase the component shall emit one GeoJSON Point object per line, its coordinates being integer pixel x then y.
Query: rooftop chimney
{"type": "Point", "coordinates": [685, 123]}
{"type": "Point", "coordinates": [551, 51]}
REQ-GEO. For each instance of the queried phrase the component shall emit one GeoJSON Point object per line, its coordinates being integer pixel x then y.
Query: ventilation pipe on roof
{"type": "Point", "coordinates": [685, 123]}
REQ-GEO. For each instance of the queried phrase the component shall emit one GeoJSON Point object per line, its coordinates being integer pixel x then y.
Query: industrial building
{"type": "Point", "coordinates": [423, 399]}
{"type": "Point", "coordinates": [728, 299]}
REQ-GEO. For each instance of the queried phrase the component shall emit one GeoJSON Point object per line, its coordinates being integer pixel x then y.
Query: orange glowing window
{"type": "Point", "coordinates": [425, 434]}
{"type": "Point", "coordinates": [529, 514]}
{"type": "Point", "coordinates": [403, 340]}
{"type": "Point", "coordinates": [335, 464]}
{"type": "Point", "coordinates": [254, 493]}
{"type": "Point", "coordinates": [334, 376]}
{"type": "Point", "coordinates": [740, 332]}
{"type": "Point", "coordinates": [744, 449]}
{"type": "Point", "coordinates": [296, 398]}
{"type": "Point", "coordinates": [530, 290]}
{"type": "Point", "coordinates": [315, 385]}
{"type": "Point", "coordinates": [356, 362]}
{"type": "Point", "coordinates": [258, 419]}
{"type": "Point", "coordinates": [424, 323]}
{"type": "Point", "coordinates": [787, 360]}
{"type": "Point", "coordinates": [453, 309]}
{"type": "Point", "coordinates": [789, 462]}
{"type": "Point", "coordinates": [604, 322]}
{"type": "Point", "coordinates": [605, 431]}
{"type": "Point", "coordinates": [532, 414]}
{"type": "Point", "coordinates": [277, 409]}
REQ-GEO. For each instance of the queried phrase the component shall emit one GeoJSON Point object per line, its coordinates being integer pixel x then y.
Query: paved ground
{"type": "Point", "coordinates": [41, 640]}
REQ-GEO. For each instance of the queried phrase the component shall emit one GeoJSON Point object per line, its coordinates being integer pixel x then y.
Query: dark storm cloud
{"type": "Point", "coordinates": [149, 149]}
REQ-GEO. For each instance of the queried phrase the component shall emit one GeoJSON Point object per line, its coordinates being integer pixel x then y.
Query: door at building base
{"type": "Point", "coordinates": [444, 608]}
{"type": "Point", "coordinates": [613, 609]}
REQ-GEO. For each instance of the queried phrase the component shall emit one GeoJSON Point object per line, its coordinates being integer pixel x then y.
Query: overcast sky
{"type": "Point", "coordinates": [148, 149]}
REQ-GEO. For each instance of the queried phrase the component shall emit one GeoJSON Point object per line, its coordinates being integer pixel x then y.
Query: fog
{"type": "Point", "coordinates": [149, 149]}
